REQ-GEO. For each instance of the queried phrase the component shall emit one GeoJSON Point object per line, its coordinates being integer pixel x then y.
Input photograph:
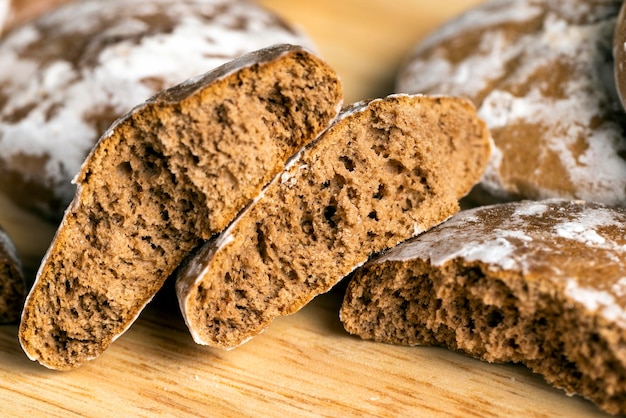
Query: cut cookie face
{"type": "Point", "coordinates": [383, 172]}
{"type": "Point", "coordinates": [541, 76]}
{"type": "Point", "coordinates": [540, 283]}
{"type": "Point", "coordinates": [68, 75]}
{"type": "Point", "coordinates": [165, 177]}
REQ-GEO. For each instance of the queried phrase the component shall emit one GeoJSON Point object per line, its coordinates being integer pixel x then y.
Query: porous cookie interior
{"type": "Point", "coordinates": [259, 126]}
{"type": "Point", "coordinates": [376, 178]}
{"type": "Point", "coordinates": [12, 291]}
{"type": "Point", "coordinates": [167, 177]}
{"type": "Point", "coordinates": [502, 317]}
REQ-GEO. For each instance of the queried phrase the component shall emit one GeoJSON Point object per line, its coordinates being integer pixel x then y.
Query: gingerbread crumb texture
{"type": "Point", "coordinates": [540, 283]}
{"type": "Point", "coordinates": [385, 171]}
{"type": "Point", "coordinates": [68, 75]}
{"type": "Point", "coordinates": [165, 177]}
{"type": "Point", "coordinates": [12, 284]}
{"type": "Point", "coordinates": [541, 76]}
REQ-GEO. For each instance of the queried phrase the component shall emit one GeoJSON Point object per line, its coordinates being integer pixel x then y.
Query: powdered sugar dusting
{"type": "Point", "coordinates": [466, 78]}
{"type": "Point", "coordinates": [56, 101]}
{"type": "Point", "coordinates": [531, 209]}
{"type": "Point", "coordinates": [444, 245]}
{"type": "Point", "coordinates": [619, 288]}
{"type": "Point", "coordinates": [599, 301]}
{"type": "Point", "coordinates": [513, 77]}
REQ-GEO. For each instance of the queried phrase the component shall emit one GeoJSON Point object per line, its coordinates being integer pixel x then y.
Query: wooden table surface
{"type": "Point", "coordinates": [305, 364]}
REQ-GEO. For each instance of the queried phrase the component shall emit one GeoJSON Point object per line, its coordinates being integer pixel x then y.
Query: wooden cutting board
{"type": "Point", "coordinates": [305, 364]}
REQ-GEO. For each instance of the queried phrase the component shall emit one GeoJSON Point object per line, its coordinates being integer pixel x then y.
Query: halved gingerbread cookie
{"type": "Point", "coordinates": [383, 172]}
{"type": "Point", "coordinates": [540, 283]}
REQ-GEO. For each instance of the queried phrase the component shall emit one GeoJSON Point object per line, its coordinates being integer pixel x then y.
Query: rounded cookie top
{"type": "Point", "coordinates": [540, 73]}
{"type": "Point", "coordinates": [578, 246]}
{"type": "Point", "coordinates": [68, 75]}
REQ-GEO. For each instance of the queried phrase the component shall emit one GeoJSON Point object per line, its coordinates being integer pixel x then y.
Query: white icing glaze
{"type": "Point", "coordinates": [115, 70]}
{"type": "Point", "coordinates": [481, 17]}
{"type": "Point", "coordinates": [573, 116]}
{"type": "Point", "coordinates": [584, 229]}
{"type": "Point", "coordinates": [490, 179]}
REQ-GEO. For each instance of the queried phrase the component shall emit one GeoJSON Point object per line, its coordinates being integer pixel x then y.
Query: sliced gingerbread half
{"type": "Point", "coordinates": [165, 177]}
{"type": "Point", "coordinates": [383, 172]}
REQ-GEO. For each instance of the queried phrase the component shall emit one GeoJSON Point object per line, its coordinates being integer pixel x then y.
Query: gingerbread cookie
{"type": "Point", "coordinates": [166, 176]}
{"type": "Point", "coordinates": [540, 73]}
{"type": "Point", "coordinates": [383, 172]}
{"type": "Point", "coordinates": [68, 75]}
{"type": "Point", "coordinates": [540, 283]}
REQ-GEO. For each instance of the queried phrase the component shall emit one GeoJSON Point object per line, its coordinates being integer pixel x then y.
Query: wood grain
{"type": "Point", "coordinates": [305, 364]}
